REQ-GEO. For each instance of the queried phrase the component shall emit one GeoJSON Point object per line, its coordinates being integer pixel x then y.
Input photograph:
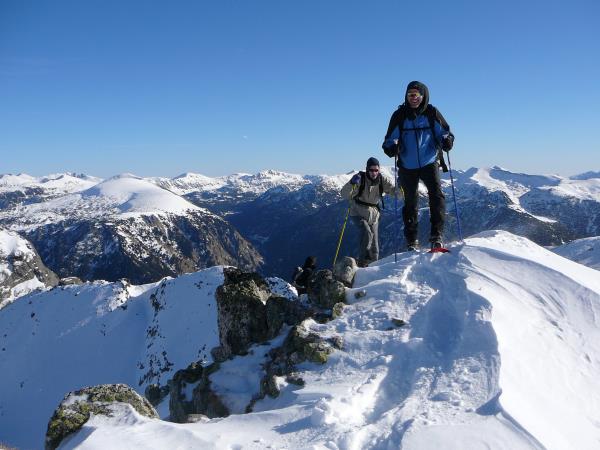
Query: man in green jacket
{"type": "Point", "coordinates": [365, 191]}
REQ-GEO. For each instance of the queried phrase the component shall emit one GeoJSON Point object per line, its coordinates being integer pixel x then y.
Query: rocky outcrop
{"type": "Point", "coordinates": [77, 407]}
{"type": "Point", "coordinates": [344, 270]}
{"type": "Point", "coordinates": [21, 269]}
{"type": "Point", "coordinates": [249, 313]}
{"type": "Point", "coordinates": [300, 345]}
{"type": "Point", "coordinates": [203, 401]}
{"type": "Point", "coordinates": [325, 291]}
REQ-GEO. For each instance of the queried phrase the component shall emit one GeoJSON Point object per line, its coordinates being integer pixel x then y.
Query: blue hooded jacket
{"type": "Point", "coordinates": [418, 142]}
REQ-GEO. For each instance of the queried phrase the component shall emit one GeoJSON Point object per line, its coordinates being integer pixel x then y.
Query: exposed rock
{"type": "Point", "coordinates": [155, 393]}
{"type": "Point", "coordinates": [337, 342]}
{"type": "Point", "coordinates": [219, 354]}
{"type": "Point", "coordinates": [344, 270]}
{"type": "Point", "coordinates": [203, 401]}
{"type": "Point", "coordinates": [299, 346]}
{"type": "Point", "coordinates": [248, 313]}
{"type": "Point", "coordinates": [324, 290]}
{"type": "Point", "coordinates": [360, 294]}
{"type": "Point", "coordinates": [68, 281]}
{"type": "Point", "coordinates": [398, 322]}
{"type": "Point", "coordinates": [21, 269]}
{"type": "Point", "coordinates": [76, 408]}
{"type": "Point", "coordinates": [337, 310]}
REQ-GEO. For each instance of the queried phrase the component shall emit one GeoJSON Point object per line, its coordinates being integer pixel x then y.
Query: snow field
{"type": "Point", "coordinates": [501, 350]}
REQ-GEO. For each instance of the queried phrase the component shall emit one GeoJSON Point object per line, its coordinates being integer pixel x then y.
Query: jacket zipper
{"type": "Point", "coordinates": [418, 146]}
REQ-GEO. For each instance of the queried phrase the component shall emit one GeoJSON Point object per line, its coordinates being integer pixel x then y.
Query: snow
{"type": "Point", "coordinates": [585, 251]}
{"type": "Point", "coordinates": [83, 335]}
{"type": "Point", "coordinates": [61, 183]}
{"type": "Point", "coordinates": [122, 196]}
{"type": "Point", "coordinates": [12, 244]}
{"type": "Point", "coordinates": [501, 350]}
{"type": "Point", "coordinates": [131, 194]}
{"type": "Point", "coordinates": [577, 189]}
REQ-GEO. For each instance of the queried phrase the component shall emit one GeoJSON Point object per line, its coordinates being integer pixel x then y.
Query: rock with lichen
{"type": "Point", "coordinates": [344, 270]}
{"type": "Point", "coordinates": [77, 407]}
{"type": "Point", "coordinates": [249, 313]}
{"type": "Point", "coordinates": [324, 290]}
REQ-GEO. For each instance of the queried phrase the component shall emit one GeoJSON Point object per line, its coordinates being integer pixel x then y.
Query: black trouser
{"type": "Point", "coordinates": [409, 180]}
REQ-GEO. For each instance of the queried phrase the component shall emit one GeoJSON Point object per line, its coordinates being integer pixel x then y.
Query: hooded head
{"type": "Point", "coordinates": [310, 263]}
{"type": "Point", "coordinates": [424, 93]}
{"type": "Point", "coordinates": [374, 163]}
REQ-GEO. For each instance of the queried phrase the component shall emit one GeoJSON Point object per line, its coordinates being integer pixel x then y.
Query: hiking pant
{"type": "Point", "coordinates": [409, 180]}
{"type": "Point", "coordinates": [369, 240]}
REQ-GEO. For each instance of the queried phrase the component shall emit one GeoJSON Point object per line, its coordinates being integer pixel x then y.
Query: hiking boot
{"type": "Point", "coordinates": [436, 244]}
{"type": "Point", "coordinates": [412, 246]}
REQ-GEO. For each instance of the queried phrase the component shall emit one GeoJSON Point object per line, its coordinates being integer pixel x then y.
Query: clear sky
{"type": "Point", "coordinates": [159, 88]}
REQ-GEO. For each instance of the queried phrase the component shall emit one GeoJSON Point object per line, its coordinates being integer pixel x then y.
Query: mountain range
{"type": "Point", "coordinates": [146, 228]}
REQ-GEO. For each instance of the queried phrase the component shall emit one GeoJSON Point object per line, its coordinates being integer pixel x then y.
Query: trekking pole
{"type": "Point", "coordinates": [454, 197]}
{"type": "Point", "coordinates": [396, 208]}
{"type": "Point", "coordinates": [343, 227]}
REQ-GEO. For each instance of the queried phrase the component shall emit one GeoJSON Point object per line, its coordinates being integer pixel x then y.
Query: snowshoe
{"type": "Point", "coordinates": [437, 247]}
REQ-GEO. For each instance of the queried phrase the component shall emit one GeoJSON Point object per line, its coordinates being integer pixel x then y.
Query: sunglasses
{"type": "Point", "coordinates": [373, 170]}
{"type": "Point", "coordinates": [413, 95]}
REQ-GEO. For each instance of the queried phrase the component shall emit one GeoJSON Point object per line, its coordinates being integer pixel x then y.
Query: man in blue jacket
{"type": "Point", "coordinates": [417, 134]}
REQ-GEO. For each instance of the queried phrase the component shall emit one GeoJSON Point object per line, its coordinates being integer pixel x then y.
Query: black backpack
{"type": "Point", "coordinates": [433, 115]}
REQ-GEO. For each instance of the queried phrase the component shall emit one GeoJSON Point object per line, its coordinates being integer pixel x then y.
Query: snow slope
{"type": "Point", "coordinates": [76, 336]}
{"type": "Point", "coordinates": [585, 251]}
{"type": "Point", "coordinates": [501, 350]}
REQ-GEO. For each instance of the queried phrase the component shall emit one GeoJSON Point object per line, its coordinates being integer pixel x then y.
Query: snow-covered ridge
{"type": "Point", "coordinates": [501, 350]}
{"type": "Point", "coordinates": [585, 251]}
{"type": "Point", "coordinates": [515, 185]}
{"type": "Point", "coordinates": [244, 183]}
{"type": "Point", "coordinates": [121, 196]}
{"type": "Point", "coordinates": [61, 183]}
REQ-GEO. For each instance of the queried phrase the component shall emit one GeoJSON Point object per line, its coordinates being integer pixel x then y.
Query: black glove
{"type": "Point", "coordinates": [355, 179]}
{"type": "Point", "coordinates": [447, 142]}
{"type": "Point", "coordinates": [390, 149]}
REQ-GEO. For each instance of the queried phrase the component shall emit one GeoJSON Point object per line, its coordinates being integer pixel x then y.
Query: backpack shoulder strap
{"type": "Point", "coordinates": [363, 182]}
{"type": "Point", "coordinates": [397, 120]}
{"type": "Point", "coordinates": [432, 116]}
{"type": "Point", "coordinates": [401, 117]}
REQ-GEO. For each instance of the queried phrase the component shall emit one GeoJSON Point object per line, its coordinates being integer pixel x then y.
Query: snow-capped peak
{"type": "Point", "coordinates": [132, 194]}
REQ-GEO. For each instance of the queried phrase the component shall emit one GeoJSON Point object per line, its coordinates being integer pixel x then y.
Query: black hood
{"type": "Point", "coordinates": [424, 92]}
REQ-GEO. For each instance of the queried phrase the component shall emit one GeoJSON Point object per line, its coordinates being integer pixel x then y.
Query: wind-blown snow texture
{"type": "Point", "coordinates": [585, 251]}
{"type": "Point", "coordinates": [76, 336]}
{"type": "Point", "coordinates": [502, 350]}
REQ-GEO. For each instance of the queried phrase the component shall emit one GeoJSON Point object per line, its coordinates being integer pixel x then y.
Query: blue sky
{"type": "Point", "coordinates": [159, 88]}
